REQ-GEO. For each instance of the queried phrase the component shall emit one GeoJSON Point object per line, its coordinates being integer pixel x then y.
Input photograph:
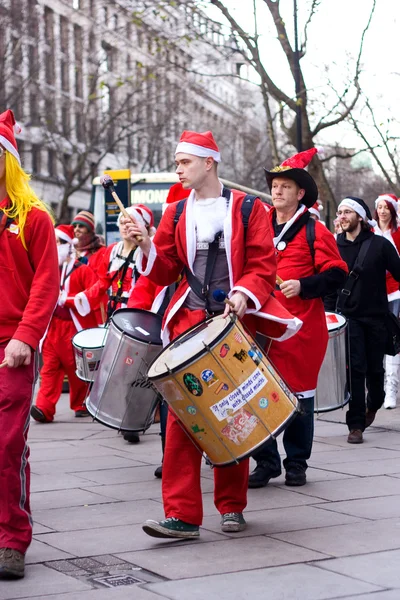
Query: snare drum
{"type": "Point", "coordinates": [223, 389]}
{"type": "Point", "coordinates": [122, 397]}
{"type": "Point", "coordinates": [332, 390]}
{"type": "Point", "coordinates": [88, 346]}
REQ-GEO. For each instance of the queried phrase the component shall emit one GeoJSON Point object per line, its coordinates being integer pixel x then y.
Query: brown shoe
{"type": "Point", "coordinates": [12, 564]}
{"type": "Point", "coordinates": [369, 417]}
{"type": "Point", "coordinates": [355, 436]}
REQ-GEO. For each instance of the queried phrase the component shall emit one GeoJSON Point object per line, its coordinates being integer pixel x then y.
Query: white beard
{"type": "Point", "coordinates": [209, 217]}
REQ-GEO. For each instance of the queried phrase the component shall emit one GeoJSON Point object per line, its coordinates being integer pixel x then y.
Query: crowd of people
{"type": "Point", "coordinates": [279, 267]}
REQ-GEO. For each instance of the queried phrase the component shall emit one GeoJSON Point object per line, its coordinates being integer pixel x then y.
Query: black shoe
{"type": "Point", "coordinates": [82, 412]}
{"type": "Point", "coordinates": [12, 564]}
{"type": "Point", "coordinates": [295, 477]}
{"type": "Point", "coordinates": [261, 475]}
{"type": "Point", "coordinates": [158, 472]}
{"type": "Point", "coordinates": [38, 415]}
{"type": "Point", "coordinates": [132, 438]}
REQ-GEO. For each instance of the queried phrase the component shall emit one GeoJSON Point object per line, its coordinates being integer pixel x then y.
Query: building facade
{"type": "Point", "coordinates": [101, 84]}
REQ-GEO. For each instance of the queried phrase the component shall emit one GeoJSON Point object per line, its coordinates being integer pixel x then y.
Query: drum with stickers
{"type": "Point", "coordinates": [88, 347]}
{"type": "Point", "coordinates": [332, 389]}
{"type": "Point", "coordinates": [223, 389]}
{"type": "Point", "coordinates": [122, 397]}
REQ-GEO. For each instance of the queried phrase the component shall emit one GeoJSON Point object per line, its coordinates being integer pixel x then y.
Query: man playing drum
{"type": "Point", "coordinates": [308, 270]}
{"type": "Point", "coordinates": [244, 268]}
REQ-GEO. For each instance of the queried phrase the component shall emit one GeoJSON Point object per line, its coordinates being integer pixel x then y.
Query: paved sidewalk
{"type": "Point", "coordinates": [336, 537]}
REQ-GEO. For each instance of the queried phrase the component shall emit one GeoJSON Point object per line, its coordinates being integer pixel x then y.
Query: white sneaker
{"type": "Point", "coordinates": [390, 401]}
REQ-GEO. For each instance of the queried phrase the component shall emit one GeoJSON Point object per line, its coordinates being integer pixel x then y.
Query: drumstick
{"type": "Point", "coordinates": [103, 312]}
{"type": "Point", "coordinates": [3, 364]}
{"type": "Point", "coordinates": [108, 184]}
{"type": "Point", "coordinates": [279, 280]}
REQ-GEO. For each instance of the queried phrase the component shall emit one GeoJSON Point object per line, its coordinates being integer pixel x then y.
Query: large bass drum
{"type": "Point", "coordinates": [332, 389]}
{"type": "Point", "coordinates": [122, 397]}
{"type": "Point", "coordinates": [223, 389]}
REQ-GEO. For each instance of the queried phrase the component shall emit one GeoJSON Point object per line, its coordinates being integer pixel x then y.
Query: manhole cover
{"type": "Point", "coordinates": [112, 581]}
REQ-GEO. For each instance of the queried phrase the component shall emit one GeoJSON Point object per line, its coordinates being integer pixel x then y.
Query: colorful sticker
{"type": "Point", "coordinates": [89, 355]}
{"type": "Point", "coordinates": [191, 410]}
{"type": "Point", "coordinates": [240, 426]}
{"type": "Point", "coordinates": [193, 384]}
{"type": "Point", "coordinates": [241, 355]}
{"type": "Point", "coordinates": [245, 392]}
{"type": "Point", "coordinates": [209, 377]}
{"type": "Point", "coordinates": [224, 350]}
{"type": "Point", "coordinates": [129, 361]}
{"type": "Point", "coordinates": [255, 354]}
{"type": "Point", "coordinates": [222, 387]}
{"type": "Point", "coordinates": [238, 337]}
{"type": "Point", "coordinates": [263, 402]}
{"type": "Point", "coordinates": [275, 397]}
{"type": "Point", "coordinates": [196, 429]}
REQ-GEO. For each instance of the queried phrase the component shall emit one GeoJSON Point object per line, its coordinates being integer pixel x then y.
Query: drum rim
{"type": "Point", "coordinates": [339, 327]}
{"type": "Point", "coordinates": [136, 310]}
{"type": "Point", "coordinates": [80, 347]}
{"type": "Point", "coordinates": [193, 358]}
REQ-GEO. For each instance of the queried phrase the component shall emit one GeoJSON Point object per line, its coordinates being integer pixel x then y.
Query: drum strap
{"type": "Point", "coordinates": [353, 276]}
{"type": "Point", "coordinates": [202, 290]}
{"type": "Point", "coordinates": [121, 273]}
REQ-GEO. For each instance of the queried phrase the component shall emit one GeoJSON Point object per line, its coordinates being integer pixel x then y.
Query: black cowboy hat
{"type": "Point", "coordinates": [293, 168]}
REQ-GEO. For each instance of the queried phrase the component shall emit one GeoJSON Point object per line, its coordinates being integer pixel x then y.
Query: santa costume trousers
{"type": "Point", "coordinates": [59, 360]}
{"type": "Point", "coordinates": [181, 485]}
{"type": "Point", "coordinates": [16, 388]}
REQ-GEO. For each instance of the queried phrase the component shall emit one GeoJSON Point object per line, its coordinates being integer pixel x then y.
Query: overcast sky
{"type": "Point", "coordinates": [333, 42]}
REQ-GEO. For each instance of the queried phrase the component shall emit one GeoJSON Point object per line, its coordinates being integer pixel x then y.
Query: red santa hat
{"type": "Point", "coordinates": [391, 198]}
{"type": "Point", "coordinates": [8, 129]}
{"type": "Point", "coordinates": [316, 209]}
{"type": "Point", "coordinates": [141, 213]}
{"type": "Point", "coordinates": [199, 144]}
{"type": "Point", "coordinates": [65, 233]}
{"type": "Point", "coordinates": [177, 192]}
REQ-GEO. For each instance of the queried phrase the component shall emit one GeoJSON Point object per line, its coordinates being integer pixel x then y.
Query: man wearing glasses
{"type": "Point", "coordinates": [364, 302]}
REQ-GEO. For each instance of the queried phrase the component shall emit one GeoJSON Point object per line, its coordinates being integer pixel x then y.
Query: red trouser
{"type": "Point", "coordinates": [16, 388]}
{"type": "Point", "coordinates": [58, 360]}
{"type": "Point", "coordinates": [182, 462]}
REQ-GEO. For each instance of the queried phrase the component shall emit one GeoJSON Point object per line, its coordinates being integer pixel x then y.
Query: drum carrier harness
{"type": "Point", "coordinates": [202, 289]}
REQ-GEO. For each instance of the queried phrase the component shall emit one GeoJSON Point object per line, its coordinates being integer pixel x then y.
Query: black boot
{"type": "Point", "coordinates": [158, 471]}
{"type": "Point", "coordinates": [132, 438]}
{"type": "Point", "coordinates": [261, 475]}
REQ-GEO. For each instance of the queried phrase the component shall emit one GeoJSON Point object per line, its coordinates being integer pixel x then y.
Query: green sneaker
{"type": "Point", "coordinates": [233, 522]}
{"type": "Point", "coordinates": [170, 528]}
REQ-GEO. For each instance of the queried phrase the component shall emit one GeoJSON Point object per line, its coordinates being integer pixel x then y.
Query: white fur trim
{"type": "Point", "coordinates": [292, 325]}
{"type": "Point", "coordinates": [63, 236]}
{"type": "Point", "coordinates": [196, 150]}
{"type": "Point", "coordinates": [251, 296]}
{"type": "Point", "coordinates": [315, 212]}
{"type": "Point", "coordinates": [158, 300]}
{"type": "Point", "coordinates": [209, 216]}
{"type": "Point", "coordinates": [165, 337]}
{"type": "Point", "coordinates": [83, 307]}
{"type": "Point", "coordinates": [10, 148]}
{"type": "Point", "coordinates": [228, 239]}
{"type": "Point", "coordinates": [150, 260]}
{"type": "Point", "coordinates": [354, 205]}
{"type": "Point", "coordinates": [75, 320]}
{"type": "Point", "coordinates": [133, 212]}
{"type": "Point", "coordinates": [299, 211]}
{"type": "Point", "coordinates": [394, 296]}
{"type": "Point", "coordinates": [190, 230]}
{"type": "Point", "coordinates": [394, 203]}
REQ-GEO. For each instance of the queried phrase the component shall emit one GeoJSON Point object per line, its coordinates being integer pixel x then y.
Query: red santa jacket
{"type": "Point", "coordinates": [250, 257]}
{"type": "Point", "coordinates": [299, 359]}
{"type": "Point", "coordinates": [392, 286]}
{"type": "Point", "coordinates": [76, 277]}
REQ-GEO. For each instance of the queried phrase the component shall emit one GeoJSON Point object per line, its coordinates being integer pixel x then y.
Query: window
{"type": "Point", "coordinates": [51, 163]}
{"type": "Point", "coordinates": [65, 120]}
{"type": "Point", "coordinates": [36, 159]}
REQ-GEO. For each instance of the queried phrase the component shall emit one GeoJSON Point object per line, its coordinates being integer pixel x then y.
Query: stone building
{"type": "Point", "coordinates": [111, 84]}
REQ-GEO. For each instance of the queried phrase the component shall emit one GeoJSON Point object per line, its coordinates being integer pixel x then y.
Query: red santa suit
{"type": "Point", "coordinates": [57, 350]}
{"type": "Point", "coordinates": [252, 267]}
{"type": "Point", "coordinates": [306, 349]}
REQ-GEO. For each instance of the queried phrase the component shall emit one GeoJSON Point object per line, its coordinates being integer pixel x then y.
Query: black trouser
{"type": "Point", "coordinates": [297, 441]}
{"type": "Point", "coordinates": [367, 339]}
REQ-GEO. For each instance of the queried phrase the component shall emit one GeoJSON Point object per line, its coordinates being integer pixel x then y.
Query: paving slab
{"type": "Point", "coordinates": [376, 568]}
{"type": "Point", "coordinates": [223, 556]}
{"type": "Point", "coordinates": [110, 540]}
{"type": "Point", "coordinates": [352, 488]}
{"type": "Point", "coordinates": [83, 464]}
{"type": "Point", "coordinates": [118, 475]}
{"type": "Point", "coordinates": [38, 582]}
{"type": "Point", "coordinates": [357, 454]}
{"type": "Point", "coordinates": [385, 507]}
{"type": "Point", "coordinates": [385, 595]}
{"type": "Point", "coordinates": [64, 498]}
{"type": "Point", "coordinates": [348, 540]}
{"type": "Point", "coordinates": [134, 592]}
{"type": "Point", "coordinates": [387, 466]}
{"type": "Point", "coordinates": [104, 515]}
{"type": "Point", "coordinates": [292, 582]}
{"type": "Point", "coordinates": [54, 481]}
{"type": "Point", "coordinates": [40, 552]}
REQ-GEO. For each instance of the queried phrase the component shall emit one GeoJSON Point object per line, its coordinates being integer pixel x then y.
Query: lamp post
{"type": "Point", "coordinates": [299, 142]}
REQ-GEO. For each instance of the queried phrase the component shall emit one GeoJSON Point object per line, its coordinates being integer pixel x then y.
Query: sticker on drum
{"type": "Point", "coordinates": [224, 350]}
{"type": "Point", "coordinates": [334, 321]}
{"type": "Point", "coordinates": [240, 396]}
{"type": "Point", "coordinates": [240, 427]}
{"type": "Point", "coordinates": [193, 384]}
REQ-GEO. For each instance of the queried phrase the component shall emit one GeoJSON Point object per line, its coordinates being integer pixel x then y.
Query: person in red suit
{"type": "Point", "coordinates": [245, 269]}
{"type": "Point", "coordinates": [28, 290]}
{"type": "Point", "coordinates": [386, 207]}
{"type": "Point", "coordinates": [57, 352]}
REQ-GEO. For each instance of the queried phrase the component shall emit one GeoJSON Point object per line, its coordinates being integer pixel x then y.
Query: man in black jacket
{"type": "Point", "coordinates": [364, 303]}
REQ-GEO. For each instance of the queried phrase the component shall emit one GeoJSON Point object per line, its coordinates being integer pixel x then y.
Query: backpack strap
{"type": "Point", "coordinates": [247, 207]}
{"type": "Point", "coordinates": [179, 211]}
{"type": "Point", "coordinates": [310, 235]}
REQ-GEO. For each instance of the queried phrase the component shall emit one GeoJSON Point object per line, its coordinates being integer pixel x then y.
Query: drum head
{"type": "Point", "coordinates": [141, 325]}
{"type": "Point", "coordinates": [95, 337]}
{"type": "Point", "coordinates": [190, 345]}
{"type": "Point", "coordinates": [334, 321]}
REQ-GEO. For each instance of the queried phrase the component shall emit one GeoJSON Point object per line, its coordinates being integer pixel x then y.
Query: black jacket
{"type": "Point", "coordinates": [369, 296]}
